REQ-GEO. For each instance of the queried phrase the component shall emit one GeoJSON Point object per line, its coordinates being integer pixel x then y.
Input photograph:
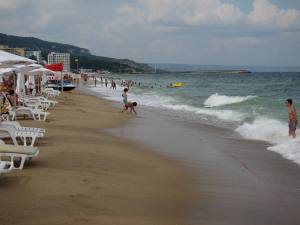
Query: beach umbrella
{"type": "Point", "coordinates": [22, 70]}
{"type": "Point", "coordinates": [6, 70]}
{"type": "Point", "coordinates": [7, 59]}
{"type": "Point", "coordinates": [41, 70]}
{"type": "Point", "coordinates": [36, 65]}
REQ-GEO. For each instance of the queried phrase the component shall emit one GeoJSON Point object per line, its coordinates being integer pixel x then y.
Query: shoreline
{"type": "Point", "coordinates": [261, 129]}
{"type": "Point", "coordinates": [84, 175]}
{"type": "Point", "coordinates": [235, 180]}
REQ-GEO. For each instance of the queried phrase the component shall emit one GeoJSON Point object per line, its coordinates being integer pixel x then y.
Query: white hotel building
{"type": "Point", "coordinates": [64, 58]}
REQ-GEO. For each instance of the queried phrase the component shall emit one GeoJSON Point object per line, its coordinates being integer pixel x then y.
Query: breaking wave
{"type": "Point", "coordinates": [274, 132]}
{"type": "Point", "coordinates": [220, 100]}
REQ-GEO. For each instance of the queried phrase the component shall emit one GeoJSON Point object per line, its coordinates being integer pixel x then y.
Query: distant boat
{"type": "Point", "coordinates": [56, 85]}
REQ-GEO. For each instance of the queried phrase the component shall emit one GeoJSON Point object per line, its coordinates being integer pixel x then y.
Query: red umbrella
{"type": "Point", "coordinates": [55, 67]}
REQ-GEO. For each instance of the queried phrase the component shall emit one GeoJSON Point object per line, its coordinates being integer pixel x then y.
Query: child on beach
{"type": "Point", "coordinates": [124, 95]}
{"type": "Point", "coordinates": [292, 118]}
{"type": "Point", "coordinates": [130, 105]}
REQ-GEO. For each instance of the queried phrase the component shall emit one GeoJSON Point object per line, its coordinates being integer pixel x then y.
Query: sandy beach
{"type": "Point", "coordinates": [85, 176]}
{"type": "Point", "coordinates": [169, 112]}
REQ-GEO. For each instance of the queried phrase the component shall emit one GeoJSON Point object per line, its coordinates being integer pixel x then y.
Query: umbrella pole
{"type": "Point", "coordinates": [15, 95]}
{"type": "Point", "coordinates": [62, 82]}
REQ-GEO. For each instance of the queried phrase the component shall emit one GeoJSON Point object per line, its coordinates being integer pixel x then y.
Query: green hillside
{"type": "Point", "coordinates": [86, 59]}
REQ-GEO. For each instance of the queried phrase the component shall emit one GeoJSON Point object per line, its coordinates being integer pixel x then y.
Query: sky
{"type": "Point", "coordinates": [206, 32]}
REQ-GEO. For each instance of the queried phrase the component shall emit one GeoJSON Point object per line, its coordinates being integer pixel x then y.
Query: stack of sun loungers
{"type": "Point", "coordinates": [32, 107]}
{"type": "Point", "coordinates": [50, 92]}
{"type": "Point", "coordinates": [24, 139]}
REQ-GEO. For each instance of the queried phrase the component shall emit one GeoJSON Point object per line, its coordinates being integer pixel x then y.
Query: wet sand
{"type": "Point", "coordinates": [236, 181]}
{"type": "Point", "coordinates": [85, 176]}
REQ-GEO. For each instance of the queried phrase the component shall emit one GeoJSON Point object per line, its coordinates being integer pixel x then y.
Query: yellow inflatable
{"type": "Point", "coordinates": [175, 85]}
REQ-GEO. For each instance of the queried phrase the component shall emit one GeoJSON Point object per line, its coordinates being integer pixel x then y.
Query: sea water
{"type": "Point", "coordinates": [251, 104]}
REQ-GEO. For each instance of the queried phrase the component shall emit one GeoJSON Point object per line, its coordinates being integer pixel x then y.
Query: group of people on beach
{"type": "Point", "coordinates": [104, 81]}
{"type": "Point", "coordinates": [124, 83]}
{"type": "Point", "coordinates": [127, 83]}
{"type": "Point", "coordinates": [126, 104]}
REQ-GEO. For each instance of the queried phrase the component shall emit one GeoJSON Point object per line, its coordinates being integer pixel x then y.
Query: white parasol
{"type": "Point", "coordinates": [7, 59]}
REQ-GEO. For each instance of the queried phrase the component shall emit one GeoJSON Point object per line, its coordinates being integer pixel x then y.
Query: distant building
{"type": "Point", "coordinates": [16, 51]}
{"type": "Point", "coordinates": [36, 54]}
{"type": "Point", "coordinates": [64, 58]}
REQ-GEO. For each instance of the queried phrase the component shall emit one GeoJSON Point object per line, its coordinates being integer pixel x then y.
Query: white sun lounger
{"type": "Point", "coordinates": [5, 167]}
{"type": "Point", "coordinates": [19, 154]}
{"type": "Point", "coordinates": [50, 92]}
{"type": "Point", "coordinates": [18, 127]}
{"type": "Point", "coordinates": [41, 99]}
{"type": "Point", "coordinates": [27, 137]}
{"type": "Point", "coordinates": [38, 103]}
{"type": "Point", "coordinates": [35, 114]}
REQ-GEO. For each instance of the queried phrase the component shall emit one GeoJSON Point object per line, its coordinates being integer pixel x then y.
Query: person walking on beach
{"type": "Point", "coordinates": [113, 85]}
{"type": "Point", "coordinates": [85, 78]}
{"type": "Point", "coordinates": [130, 105]}
{"type": "Point", "coordinates": [95, 80]}
{"type": "Point", "coordinates": [106, 82]}
{"type": "Point", "coordinates": [124, 96]}
{"type": "Point", "coordinates": [292, 118]}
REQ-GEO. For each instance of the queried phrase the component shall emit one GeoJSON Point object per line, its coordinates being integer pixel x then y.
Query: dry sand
{"type": "Point", "coordinates": [84, 176]}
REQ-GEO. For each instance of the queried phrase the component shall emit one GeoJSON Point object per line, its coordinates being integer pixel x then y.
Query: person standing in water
{"type": "Point", "coordinates": [292, 118]}
{"type": "Point", "coordinates": [113, 85]}
{"type": "Point", "coordinates": [124, 96]}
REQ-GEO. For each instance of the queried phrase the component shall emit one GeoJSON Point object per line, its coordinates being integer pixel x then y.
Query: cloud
{"type": "Point", "coordinates": [196, 31]}
{"type": "Point", "coordinates": [237, 41]}
{"type": "Point", "coordinates": [203, 13]}
{"type": "Point", "coordinates": [266, 14]}
{"type": "Point", "coordinates": [186, 30]}
{"type": "Point", "coordinates": [184, 13]}
{"type": "Point", "coordinates": [5, 5]}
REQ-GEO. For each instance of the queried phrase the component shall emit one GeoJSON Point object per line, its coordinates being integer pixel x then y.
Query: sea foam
{"type": "Point", "coordinates": [169, 103]}
{"type": "Point", "coordinates": [221, 100]}
{"type": "Point", "coordinates": [274, 132]}
{"type": "Point", "coordinates": [227, 115]}
{"type": "Point", "coordinates": [261, 128]}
